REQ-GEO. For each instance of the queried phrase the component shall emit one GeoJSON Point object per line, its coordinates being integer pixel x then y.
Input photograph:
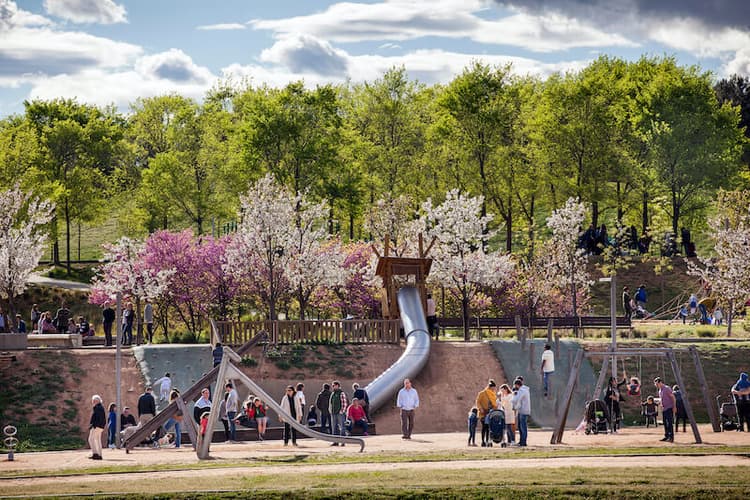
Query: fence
{"type": "Point", "coordinates": [356, 331]}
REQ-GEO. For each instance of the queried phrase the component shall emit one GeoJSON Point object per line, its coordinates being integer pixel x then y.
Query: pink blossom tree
{"type": "Point", "coordinates": [461, 260]}
{"type": "Point", "coordinates": [125, 270]}
{"type": "Point", "coordinates": [22, 217]}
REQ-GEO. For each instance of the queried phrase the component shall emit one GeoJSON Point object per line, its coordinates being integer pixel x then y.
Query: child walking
{"type": "Point", "coordinates": [473, 419]}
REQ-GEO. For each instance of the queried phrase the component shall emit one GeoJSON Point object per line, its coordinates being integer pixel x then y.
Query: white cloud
{"type": "Point", "coordinates": [87, 11]}
{"type": "Point", "coordinates": [173, 65]}
{"type": "Point", "coordinates": [739, 64]}
{"type": "Point", "coordinates": [11, 16]}
{"type": "Point", "coordinates": [391, 46]}
{"type": "Point", "coordinates": [157, 74]}
{"type": "Point", "coordinates": [222, 27]}
{"type": "Point", "coordinates": [306, 54]}
{"type": "Point", "coordinates": [406, 20]}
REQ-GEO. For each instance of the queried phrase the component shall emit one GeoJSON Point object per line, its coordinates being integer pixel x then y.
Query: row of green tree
{"type": "Point", "coordinates": [644, 143]}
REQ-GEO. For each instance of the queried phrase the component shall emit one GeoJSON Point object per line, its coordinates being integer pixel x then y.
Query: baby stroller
{"type": "Point", "coordinates": [728, 415]}
{"type": "Point", "coordinates": [496, 418]}
{"type": "Point", "coordinates": [597, 416]}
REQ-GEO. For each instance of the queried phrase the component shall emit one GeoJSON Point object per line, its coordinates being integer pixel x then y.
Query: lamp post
{"type": "Point", "coordinates": [613, 317]}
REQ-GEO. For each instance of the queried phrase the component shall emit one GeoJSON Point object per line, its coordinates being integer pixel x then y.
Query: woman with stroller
{"type": "Point", "coordinates": [613, 398]}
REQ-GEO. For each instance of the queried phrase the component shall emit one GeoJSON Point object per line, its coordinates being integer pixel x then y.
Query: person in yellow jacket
{"type": "Point", "coordinates": [486, 401]}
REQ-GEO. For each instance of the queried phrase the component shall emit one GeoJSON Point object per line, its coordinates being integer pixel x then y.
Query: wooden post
{"type": "Point", "coordinates": [685, 400]}
{"type": "Point", "coordinates": [550, 324]}
{"type": "Point", "coordinates": [188, 422]}
{"type": "Point", "coordinates": [531, 356]}
{"type": "Point", "coordinates": [557, 346]}
{"type": "Point", "coordinates": [518, 327]}
{"type": "Point", "coordinates": [600, 380]}
{"type": "Point", "coordinates": [562, 416]}
{"type": "Point", "coordinates": [704, 389]}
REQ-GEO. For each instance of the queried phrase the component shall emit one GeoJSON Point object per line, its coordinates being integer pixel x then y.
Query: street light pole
{"type": "Point", "coordinates": [118, 367]}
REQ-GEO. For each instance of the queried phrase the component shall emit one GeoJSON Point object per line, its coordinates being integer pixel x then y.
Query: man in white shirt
{"type": "Point", "coordinates": [431, 316]}
{"type": "Point", "coordinates": [232, 406]}
{"type": "Point", "coordinates": [548, 366]}
{"type": "Point", "coordinates": [408, 401]}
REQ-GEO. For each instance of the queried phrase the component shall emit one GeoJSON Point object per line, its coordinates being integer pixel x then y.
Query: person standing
{"type": "Point", "coordinates": [36, 315]}
{"type": "Point", "coordinates": [128, 317]}
{"type": "Point", "coordinates": [548, 367]}
{"type": "Point", "coordinates": [364, 399]}
{"type": "Point", "coordinates": [175, 421]}
{"type": "Point", "coordinates": [322, 403]}
{"type": "Point", "coordinates": [299, 394]}
{"type": "Point", "coordinates": [111, 425]}
{"type": "Point", "coordinates": [626, 302]}
{"type": "Point", "coordinates": [146, 407]}
{"type": "Point", "coordinates": [4, 322]}
{"type": "Point", "coordinates": [680, 412]}
{"type": "Point", "coordinates": [61, 319]}
{"type": "Point", "coordinates": [148, 318]}
{"type": "Point", "coordinates": [432, 316]}
{"type": "Point", "coordinates": [108, 319]}
{"type": "Point", "coordinates": [338, 405]}
{"type": "Point", "coordinates": [485, 402]}
{"type": "Point", "coordinates": [408, 401]}
{"type": "Point", "coordinates": [668, 404]}
{"type": "Point", "coordinates": [202, 405]}
{"type": "Point", "coordinates": [232, 403]}
{"type": "Point", "coordinates": [741, 394]}
{"type": "Point", "coordinates": [641, 297]}
{"type": "Point", "coordinates": [506, 400]}
{"type": "Point", "coordinates": [522, 405]}
{"type": "Point", "coordinates": [290, 405]}
{"type": "Point", "coordinates": [217, 354]}
{"type": "Point", "coordinates": [20, 324]}
{"type": "Point", "coordinates": [97, 422]}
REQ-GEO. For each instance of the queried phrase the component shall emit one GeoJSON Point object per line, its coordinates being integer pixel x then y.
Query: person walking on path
{"type": "Point", "coordinates": [146, 407]}
{"type": "Point", "coordinates": [741, 394]}
{"type": "Point", "coordinates": [322, 402]}
{"type": "Point", "coordinates": [408, 402]}
{"type": "Point", "coordinates": [148, 318]}
{"type": "Point", "coordinates": [432, 316]}
{"type": "Point", "coordinates": [626, 302]}
{"type": "Point", "coordinates": [338, 404]}
{"type": "Point", "coordinates": [668, 404]}
{"type": "Point", "coordinates": [96, 427]}
{"type": "Point", "coordinates": [290, 405]}
{"type": "Point", "coordinates": [485, 402]}
{"type": "Point", "coordinates": [165, 386]}
{"type": "Point", "coordinates": [548, 367]}
{"type": "Point", "coordinates": [522, 406]}
{"type": "Point", "coordinates": [232, 403]}
{"type": "Point", "coordinates": [111, 425]}
{"type": "Point", "coordinates": [108, 319]}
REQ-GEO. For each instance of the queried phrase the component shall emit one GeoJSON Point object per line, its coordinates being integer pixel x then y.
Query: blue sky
{"type": "Point", "coordinates": [113, 51]}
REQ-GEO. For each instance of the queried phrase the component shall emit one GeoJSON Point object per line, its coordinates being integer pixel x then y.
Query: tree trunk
{"type": "Point", "coordinates": [79, 241]}
{"type": "Point", "coordinates": [619, 204]}
{"type": "Point", "coordinates": [509, 226]}
{"type": "Point", "coordinates": [67, 237]}
{"type": "Point", "coordinates": [56, 243]}
{"type": "Point", "coordinates": [595, 213]}
{"type": "Point", "coordinates": [465, 316]}
{"type": "Point", "coordinates": [138, 323]}
{"type": "Point", "coordinates": [675, 212]}
{"type": "Point", "coordinates": [351, 225]}
{"type": "Point", "coordinates": [302, 303]}
{"type": "Point", "coordinates": [730, 316]}
{"type": "Point", "coordinates": [644, 213]}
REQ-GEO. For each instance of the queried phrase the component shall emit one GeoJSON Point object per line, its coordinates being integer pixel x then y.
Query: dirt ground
{"type": "Point", "coordinates": [28, 463]}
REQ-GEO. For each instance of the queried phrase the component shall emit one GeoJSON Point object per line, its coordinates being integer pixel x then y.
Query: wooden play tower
{"type": "Point", "coordinates": [389, 267]}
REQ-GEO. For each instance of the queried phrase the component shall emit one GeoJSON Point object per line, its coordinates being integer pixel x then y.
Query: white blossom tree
{"type": "Point", "coordinates": [727, 272]}
{"type": "Point", "coordinates": [126, 271]}
{"type": "Point", "coordinates": [460, 260]}
{"type": "Point", "coordinates": [21, 240]}
{"type": "Point", "coordinates": [567, 260]}
{"type": "Point", "coordinates": [316, 261]}
{"type": "Point", "coordinates": [395, 218]}
{"type": "Point", "coordinates": [261, 247]}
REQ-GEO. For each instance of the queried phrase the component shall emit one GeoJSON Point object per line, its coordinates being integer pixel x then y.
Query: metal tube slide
{"type": "Point", "coordinates": [384, 388]}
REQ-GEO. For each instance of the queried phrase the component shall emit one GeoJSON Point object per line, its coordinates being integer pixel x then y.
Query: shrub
{"type": "Point", "coordinates": [283, 364]}
{"type": "Point", "coordinates": [705, 332]}
{"type": "Point", "coordinates": [249, 361]}
{"type": "Point", "coordinates": [662, 334]}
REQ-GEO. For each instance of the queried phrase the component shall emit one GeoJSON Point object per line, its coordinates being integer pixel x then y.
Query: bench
{"type": "Point", "coordinates": [59, 340]}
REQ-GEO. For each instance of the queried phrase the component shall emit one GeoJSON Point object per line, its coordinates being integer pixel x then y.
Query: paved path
{"type": "Point", "coordinates": [57, 283]}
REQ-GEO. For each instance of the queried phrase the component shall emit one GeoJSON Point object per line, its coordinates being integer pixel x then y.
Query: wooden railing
{"type": "Point", "coordinates": [354, 331]}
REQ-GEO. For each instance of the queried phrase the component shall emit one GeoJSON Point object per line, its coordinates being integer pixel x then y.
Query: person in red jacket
{"type": "Point", "coordinates": [355, 415]}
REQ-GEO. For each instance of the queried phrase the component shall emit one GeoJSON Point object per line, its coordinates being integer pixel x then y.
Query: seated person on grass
{"type": "Point", "coordinates": [355, 415]}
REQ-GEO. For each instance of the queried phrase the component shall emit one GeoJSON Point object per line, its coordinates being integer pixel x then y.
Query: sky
{"type": "Point", "coordinates": [113, 51]}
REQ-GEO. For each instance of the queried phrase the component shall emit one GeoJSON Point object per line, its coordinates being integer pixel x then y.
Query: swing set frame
{"type": "Point", "coordinates": [666, 352]}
